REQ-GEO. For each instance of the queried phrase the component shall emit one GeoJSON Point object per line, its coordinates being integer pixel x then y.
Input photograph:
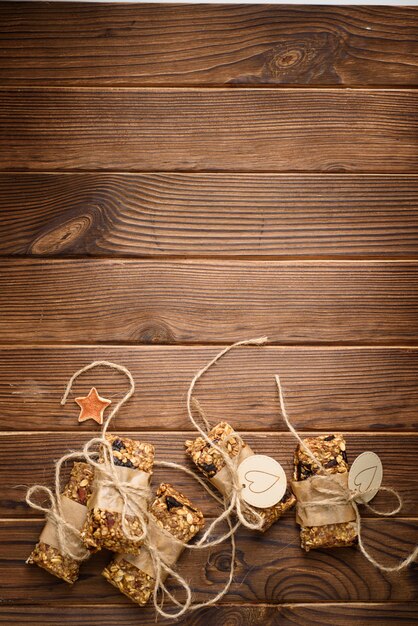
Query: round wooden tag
{"type": "Point", "coordinates": [365, 476]}
{"type": "Point", "coordinates": [263, 481]}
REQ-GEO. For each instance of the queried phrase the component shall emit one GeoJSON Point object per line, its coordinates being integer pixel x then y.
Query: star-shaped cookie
{"type": "Point", "coordinates": [92, 406]}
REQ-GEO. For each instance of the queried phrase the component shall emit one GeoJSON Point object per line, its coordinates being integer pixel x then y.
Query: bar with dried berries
{"type": "Point", "coordinates": [330, 450]}
{"type": "Point", "coordinates": [175, 514]}
{"type": "Point", "coordinates": [47, 553]}
{"type": "Point", "coordinates": [211, 463]}
{"type": "Point", "coordinates": [103, 528]}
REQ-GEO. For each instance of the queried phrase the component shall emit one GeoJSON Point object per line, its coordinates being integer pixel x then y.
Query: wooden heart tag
{"type": "Point", "coordinates": [263, 481]}
{"type": "Point", "coordinates": [365, 476]}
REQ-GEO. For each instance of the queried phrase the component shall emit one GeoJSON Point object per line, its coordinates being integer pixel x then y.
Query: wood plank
{"type": "Point", "coordinates": [361, 389]}
{"type": "Point", "coordinates": [270, 568]}
{"type": "Point", "coordinates": [328, 130]}
{"type": "Point", "coordinates": [36, 453]}
{"type": "Point", "coordinates": [71, 44]}
{"type": "Point", "coordinates": [344, 614]}
{"type": "Point", "coordinates": [233, 215]}
{"type": "Point", "coordinates": [130, 301]}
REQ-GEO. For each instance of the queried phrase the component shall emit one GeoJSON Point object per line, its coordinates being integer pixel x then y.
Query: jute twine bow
{"type": "Point", "coordinates": [233, 501]}
{"type": "Point", "coordinates": [163, 569]}
{"type": "Point", "coordinates": [68, 536]}
{"type": "Point", "coordinates": [335, 493]}
{"type": "Point", "coordinates": [134, 499]}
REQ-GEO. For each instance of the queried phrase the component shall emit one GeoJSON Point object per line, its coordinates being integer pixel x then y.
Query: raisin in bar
{"type": "Point", "coordinates": [103, 528]}
{"type": "Point", "coordinates": [211, 463]}
{"type": "Point", "coordinates": [173, 512]}
{"type": "Point", "coordinates": [330, 451]}
{"type": "Point", "coordinates": [74, 497]}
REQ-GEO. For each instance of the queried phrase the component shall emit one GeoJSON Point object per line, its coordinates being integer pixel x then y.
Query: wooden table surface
{"type": "Point", "coordinates": [178, 177]}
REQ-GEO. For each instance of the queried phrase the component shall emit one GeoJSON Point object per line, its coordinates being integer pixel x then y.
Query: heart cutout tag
{"type": "Point", "coordinates": [263, 481]}
{"type": "Point", "coordinates": [365, 476]}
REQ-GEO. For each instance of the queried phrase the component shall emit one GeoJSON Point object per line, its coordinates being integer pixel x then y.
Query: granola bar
{"type": "Point", "coordinates": [103, 528]}
{"type": "Point", "coordinates": [48, 555]}
{"type": "Point", "coordinates": [211, 463]}
{"type": "Point", "coordinates": [330, 451]}
{"type": "Point", "coordinates": [173, 512]}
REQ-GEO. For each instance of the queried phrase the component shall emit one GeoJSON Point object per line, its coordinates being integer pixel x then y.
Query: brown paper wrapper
{"type": "Point", "coordinates": [221, 480]}
{"type": "Point", "coordinates": [72, 512]}
{"type": "Point", "coordinates": [107, 498]}
{"type": "Point", "coordinates": [309, 491]}
{"type": "Point", "coordinates": [168, 549]}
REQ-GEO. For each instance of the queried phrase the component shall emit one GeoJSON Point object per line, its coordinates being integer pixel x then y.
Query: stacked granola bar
{"type": "Point", "coordinates": [175, 514]}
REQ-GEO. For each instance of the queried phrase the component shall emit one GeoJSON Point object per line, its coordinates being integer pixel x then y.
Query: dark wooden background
{"type": "Point", "coordinates": [178, 177]}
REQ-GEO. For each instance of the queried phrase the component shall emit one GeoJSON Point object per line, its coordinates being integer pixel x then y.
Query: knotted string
{"type": "Point", "coordinates": [68, 536]}
{"type": "Point", "coordinates": [234, 502]}
{"type": "Point", "coordinates": [162, 569]}
{"type": "Point", "coordinates": [335, 493]}
{"type": "Point", "coordinates": [134, 500]}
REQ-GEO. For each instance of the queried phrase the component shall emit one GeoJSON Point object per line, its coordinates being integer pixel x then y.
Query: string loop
{"type": "Point", "coordinates": [234, 502]}
{"type": "Point", "coordinates": [335, 493]}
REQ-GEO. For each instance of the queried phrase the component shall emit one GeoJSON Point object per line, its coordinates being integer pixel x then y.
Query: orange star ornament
{"type": "Point", "coordinates": [92, 406]}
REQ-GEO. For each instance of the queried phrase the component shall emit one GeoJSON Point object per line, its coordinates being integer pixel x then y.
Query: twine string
{"type": "Point", "coordinates": [335, 493]}
{"type": "Point", "coordinates": [118, 405]}
{"type": "Point", "coordinates": [234, 501]}
{"type": "Point", "coordinates": [134, 501]}
{"type": "Point", "coordinates": [68, 536]}
{"type": "Point", "coordinates": [133, 498]}
{"type": "Point", "coordinates": [161, 591]}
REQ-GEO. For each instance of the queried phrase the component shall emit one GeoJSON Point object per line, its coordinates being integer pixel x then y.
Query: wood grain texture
{"type": "Point", "coordinates": [71, 44]}
{"type": "Point", "coordinates": [113, 301]}
{"type": "Point", "coordinates": [326, 130]}
{"type": "Point", "coordinates": [343, 614]}
{"type": "Point", "coordinates": [270, 568]}
{"type": "Point", "coordinates": [384, 614]}
{"type": "Point", "coordinates": [36, 453]}
{"type": "Point", "coordinates": [233, 215]}
{"type": "Point", "coordinates": [360, 389]}
{"type": "Point", "coordinates": [145, 131]}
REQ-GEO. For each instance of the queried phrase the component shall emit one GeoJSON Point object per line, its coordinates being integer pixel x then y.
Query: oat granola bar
{"type": "Point", "coordinates": [211, 463]}
{"type": "Point", "coordinates": [50, 557]}
{"type": "Point", "coordinates": [103, 528]}
{"type": "Point", "coordinates": [172, 511]}
{"type": "Point", "coordinates": [330, 451]}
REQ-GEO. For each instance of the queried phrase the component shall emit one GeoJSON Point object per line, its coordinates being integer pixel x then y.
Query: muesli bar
{"type": "Point", "coordinates": [210, 462]}
{"type": "Point", "coordinates": [330, 450]}
{"type": "Point", "coordinates": [50, 557]}
{"type": "Point", "coordinates": [103, 528]}
{"type": "Point", "coordinates": [173, 512]}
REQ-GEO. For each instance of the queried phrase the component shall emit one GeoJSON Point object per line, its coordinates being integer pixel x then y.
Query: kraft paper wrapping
{"type": "Point", "coordinates": [168, 549]}
{"type": "Point", "coordinates": [107, 498]}
{"type": "Point", "coordinates": [222, 480]}
{"type": "Point", "coordinates": [311, 490]}
{"type": "Point", "coordinates": [74, 513]}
